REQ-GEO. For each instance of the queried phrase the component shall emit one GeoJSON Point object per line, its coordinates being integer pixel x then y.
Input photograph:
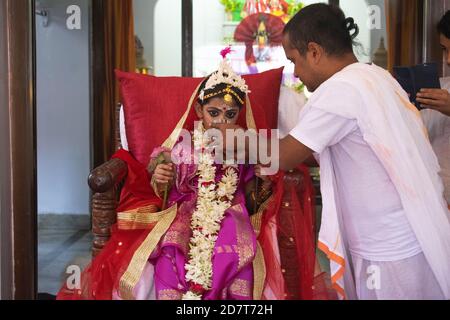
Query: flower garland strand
{"type": "Point", "coordinates": [212, 202]}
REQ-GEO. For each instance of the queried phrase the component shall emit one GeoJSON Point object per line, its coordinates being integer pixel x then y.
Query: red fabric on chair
{"type": "Point", "coordinates": [154, 105]}
{"type": "Point", "coordinates": [264, 96]}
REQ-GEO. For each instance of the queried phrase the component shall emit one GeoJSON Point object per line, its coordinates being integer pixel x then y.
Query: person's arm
{"type": "Point", "coordinates": [315, 131]}
{"type": "Point", "coordinates": [436, 99]}
{"type": "Point", "coordinates": [293, 153]}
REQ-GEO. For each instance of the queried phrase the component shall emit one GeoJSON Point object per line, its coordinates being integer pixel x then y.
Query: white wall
{"type": "Point", "coordinates": [63, 110]}
{"type": "Point", "coordinates": [369, 39]}
{"type": "Point", "coordinates": [158, 24]}
{"type": "Point", "coordinates": [208, 36]}
{"type": "Point", "coordinates": [167, 35]}
{"type": "Point", "coordinates": [208, 19]}
{"type": "Point", "coordinates": [144, 12]}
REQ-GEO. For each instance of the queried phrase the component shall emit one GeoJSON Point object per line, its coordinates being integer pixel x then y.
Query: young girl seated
{"type": "Point", "coordinates": [209, 250]}
{"type": "Point", "coordinates": [203, 246]}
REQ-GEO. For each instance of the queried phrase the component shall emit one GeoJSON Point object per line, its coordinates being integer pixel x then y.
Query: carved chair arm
{"type": "Point", "coordinates": [107, 176]}
{"type": "Point", "coordinates": [104, 181]}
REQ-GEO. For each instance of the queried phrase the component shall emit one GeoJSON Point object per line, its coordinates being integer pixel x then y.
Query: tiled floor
{"type": "Point", "coordinates": [58, 249]}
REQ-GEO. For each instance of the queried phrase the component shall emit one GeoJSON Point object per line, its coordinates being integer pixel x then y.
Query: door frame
{"type": "Point", "coordinates": [18, 211]}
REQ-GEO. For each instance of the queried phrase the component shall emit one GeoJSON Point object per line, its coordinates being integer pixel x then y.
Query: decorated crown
{"type": "Point", "coordinates": [224, 75]}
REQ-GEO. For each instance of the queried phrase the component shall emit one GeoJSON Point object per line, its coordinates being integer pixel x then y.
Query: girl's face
{"type": "Point", "coordinates": [217, 111]}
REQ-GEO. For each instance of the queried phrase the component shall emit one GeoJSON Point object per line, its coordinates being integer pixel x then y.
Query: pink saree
{"type": "Point", "coordinates": [234, 250]}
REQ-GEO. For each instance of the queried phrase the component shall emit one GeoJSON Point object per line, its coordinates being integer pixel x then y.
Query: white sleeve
{"type": "Point", "coordinates": [318, 129]}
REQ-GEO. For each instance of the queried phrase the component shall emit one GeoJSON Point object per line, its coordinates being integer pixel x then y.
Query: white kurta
{"type": "Point", "coordinates": [380, 188]}
{"type": "Point", "coordinates": [376, 225]}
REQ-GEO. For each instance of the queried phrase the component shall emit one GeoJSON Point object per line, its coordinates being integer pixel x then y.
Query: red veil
{"type": "Point", "coordinates": [311, 283]}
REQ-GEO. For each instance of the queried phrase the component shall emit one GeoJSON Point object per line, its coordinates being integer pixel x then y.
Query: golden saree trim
{"type": "Point", "coordinates": [151, 216]}
{"type": "Point", "coordinates": [178, 234]}
{"type": "Point", "coordinates": [138, 219]}
{"type": "Point", "coordinates": [259, 264]}
{"type": "Point", "coordinates": [131, 277]}
{"type": "Point", "coordinates": [250, 119]}
{"type": "Point", "coordinates": [125, 225]}
{"type": "Point", "coordinates": [259, 273]}
{"type": "Point", "coordinates": [245, 249]}
{"type": "Point", "coordinates": [169, 294]}
{"type": "Point", "coordinates": [256, 219]}
{"type": "Point", "coordinates": [241, 287]}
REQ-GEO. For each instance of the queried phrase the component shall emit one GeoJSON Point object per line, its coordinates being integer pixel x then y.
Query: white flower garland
{"type": "Point", "coordinates": [212, 202]}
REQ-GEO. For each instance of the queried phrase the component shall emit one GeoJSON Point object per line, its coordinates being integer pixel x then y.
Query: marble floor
{"type": "Point", "coordinates": [58, 249]}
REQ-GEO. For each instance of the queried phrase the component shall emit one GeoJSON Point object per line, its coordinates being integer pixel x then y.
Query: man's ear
{"type": "Point", "coordinates": [198, 110]}
{"type": "Point", "coordinates": [315, 51]}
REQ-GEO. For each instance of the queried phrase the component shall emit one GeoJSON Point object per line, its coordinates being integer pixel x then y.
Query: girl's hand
{"type": "Point", "coordinates": [164, 173]}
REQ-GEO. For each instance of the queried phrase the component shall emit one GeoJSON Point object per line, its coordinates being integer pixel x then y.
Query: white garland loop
{"type": "Point", "coordinates": [212, 202]}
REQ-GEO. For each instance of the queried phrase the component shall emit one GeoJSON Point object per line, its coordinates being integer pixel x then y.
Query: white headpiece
{"type": "Point", "coordinates": [225, 75]}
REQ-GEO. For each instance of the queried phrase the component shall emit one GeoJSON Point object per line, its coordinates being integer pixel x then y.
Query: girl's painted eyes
{"type": "Point", "coordinates": [230, 114]}
{"type": "Point", "coordinates": [213, 113]}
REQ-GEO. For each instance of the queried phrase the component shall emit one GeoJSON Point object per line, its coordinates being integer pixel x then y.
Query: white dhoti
{"type": "Point", "coordinates": [407, 279]}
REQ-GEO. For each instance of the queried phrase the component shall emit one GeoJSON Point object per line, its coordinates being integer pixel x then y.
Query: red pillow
{"type": "Point", "coordinates": [154, 105]}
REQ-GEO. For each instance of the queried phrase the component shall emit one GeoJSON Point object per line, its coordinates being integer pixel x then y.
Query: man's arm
{"type": "Point", "coordinates": [293, 153]}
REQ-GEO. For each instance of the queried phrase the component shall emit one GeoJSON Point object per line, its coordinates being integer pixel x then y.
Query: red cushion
{"type": "Point", "coordinates": [154, 105]}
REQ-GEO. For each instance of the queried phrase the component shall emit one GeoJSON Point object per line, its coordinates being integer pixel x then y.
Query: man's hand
{"type": "Point", "coordinates": [436, 99]}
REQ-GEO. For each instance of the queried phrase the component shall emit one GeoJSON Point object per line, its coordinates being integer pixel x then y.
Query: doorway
{"type": "Point", "coordinates": [63, 138]}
